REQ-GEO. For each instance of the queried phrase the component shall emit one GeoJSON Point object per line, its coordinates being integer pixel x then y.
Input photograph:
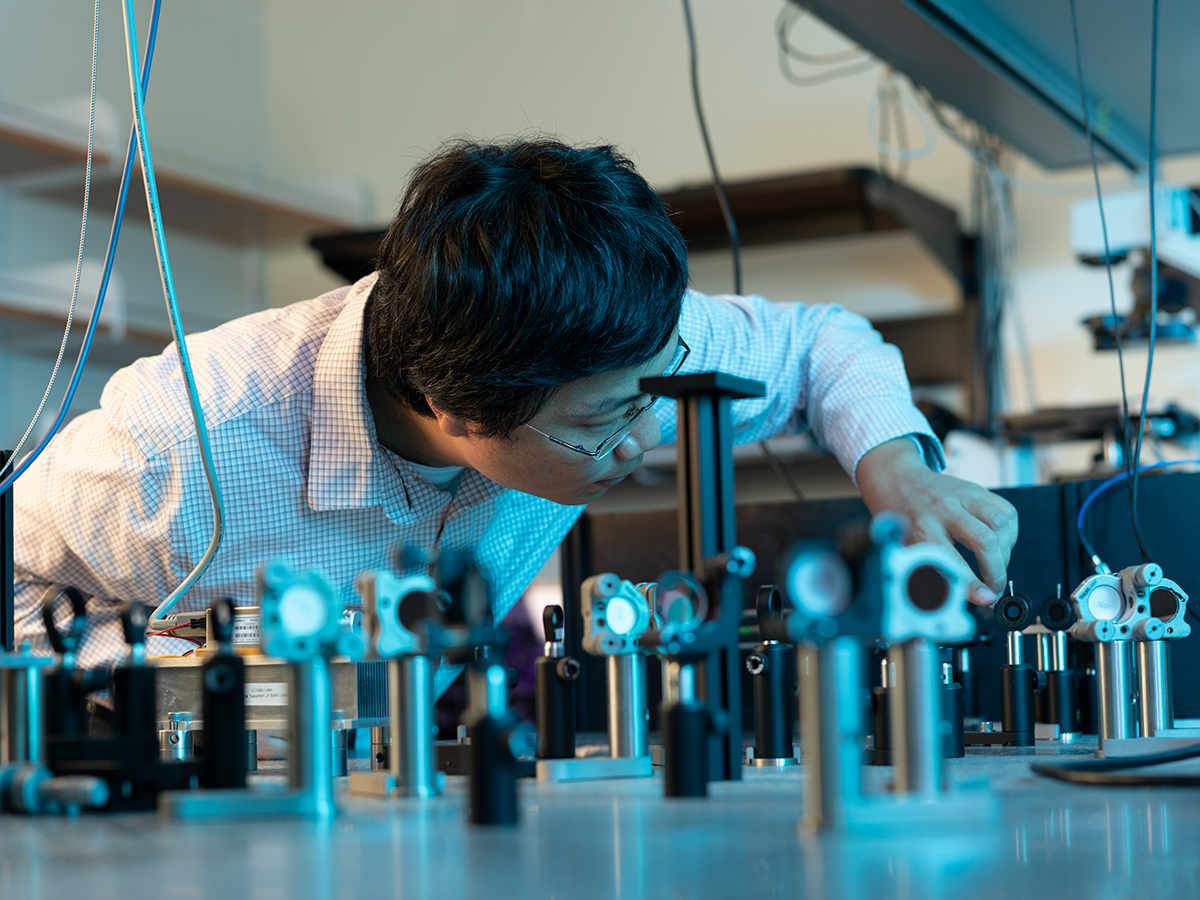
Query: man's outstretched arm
{"type": "Point", "coordinates": [942, 509]}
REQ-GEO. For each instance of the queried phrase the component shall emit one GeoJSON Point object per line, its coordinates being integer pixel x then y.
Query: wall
{"type": "Point", "coordinates": [205, 115]}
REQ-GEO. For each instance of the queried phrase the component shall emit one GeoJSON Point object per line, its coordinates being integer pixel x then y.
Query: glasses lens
{"type": "Point", "coordinates": [610, 444]}
{"type": "Point", "coordinates": [681, 352]}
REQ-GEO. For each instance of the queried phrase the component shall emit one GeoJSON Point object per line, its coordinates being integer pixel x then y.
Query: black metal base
{"type": "Point", "coordinates": [454, 758]}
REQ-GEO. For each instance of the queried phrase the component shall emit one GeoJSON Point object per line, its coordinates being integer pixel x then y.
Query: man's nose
{"type": "Point", "coordinates": [643, 436]}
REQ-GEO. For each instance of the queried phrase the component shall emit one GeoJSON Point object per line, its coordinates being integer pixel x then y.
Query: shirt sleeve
{"type": "Point", "coordinates": [95, 513]}
{"type": "Point", "coordinates": [824, 367]}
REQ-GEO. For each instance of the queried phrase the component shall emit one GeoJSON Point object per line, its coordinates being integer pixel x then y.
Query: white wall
{"type": "Point", "coordinates": [206, 115]}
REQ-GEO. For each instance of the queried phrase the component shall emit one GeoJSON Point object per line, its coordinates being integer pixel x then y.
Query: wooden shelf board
{"type": "Point", "coordinates": [32, 145]}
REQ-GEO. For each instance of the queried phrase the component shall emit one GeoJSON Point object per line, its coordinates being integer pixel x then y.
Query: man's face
{"type": "Point", "coordinates": [583, 412]}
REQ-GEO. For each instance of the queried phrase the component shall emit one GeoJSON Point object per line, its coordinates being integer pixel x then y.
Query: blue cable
{"type": "Point", "coordinates": [1117, 479]}
{"type": "Point", "coordinates": [113, 237]}
{"type": "Point", "coordinates": [185, 366]}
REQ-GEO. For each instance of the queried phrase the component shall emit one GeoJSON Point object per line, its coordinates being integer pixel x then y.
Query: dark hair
{"type": "Point", "coordinates": [513, 269]}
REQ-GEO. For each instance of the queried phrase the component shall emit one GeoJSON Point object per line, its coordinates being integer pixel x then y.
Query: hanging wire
{"type": "Point", "coordinates": [726, 213]}
{"type": "Point", "coordinates": [1130, 462]}
{"type": "Point", "coordinates": [789, 15]}
{"type": "Point", "coordinates": [109, 256]}
{"type": "Point", "coordinates": [1137, 453]}
{"type": "Point", "coordinates": [87, 191]}
{"type": "Point", "coordinates": [185, 366]}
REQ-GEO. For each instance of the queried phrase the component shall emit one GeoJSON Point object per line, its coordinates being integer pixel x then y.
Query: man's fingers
{"type": "Point", "coordinates": [981, 595]}
{"type": "Point", "coordinates": [991, 551]}
{"type": "Point", "coordinates": [999, 515]}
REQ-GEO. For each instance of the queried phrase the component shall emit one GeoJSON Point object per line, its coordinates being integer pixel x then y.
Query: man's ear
{"type": "Point", "coordinates": [452, 424]}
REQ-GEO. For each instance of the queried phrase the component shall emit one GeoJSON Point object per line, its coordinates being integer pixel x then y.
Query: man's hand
{"type": "Point", "coordinates": [942, 510]}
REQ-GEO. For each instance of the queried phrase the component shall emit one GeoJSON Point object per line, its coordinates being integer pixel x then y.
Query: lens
{"type": "Point", "coordinates": [1164, 605]}
{"type": "Point", "coordinates": [928, 588]}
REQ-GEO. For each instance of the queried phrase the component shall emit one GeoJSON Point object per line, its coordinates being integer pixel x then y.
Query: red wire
{"type": "Point", "coordinates": [178, 637]}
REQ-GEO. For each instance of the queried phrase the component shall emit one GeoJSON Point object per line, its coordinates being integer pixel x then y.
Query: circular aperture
{"type": "Point", "coordinates": [301, 610]}
{"type": "Point", "coordinates": [928, 588]}
{"type": "Point", "coordinates": [1164, 604]}
{"type": "Point", "coordinates": [1105, 602]}
{"type": "Point", "coordinates": [621, 615]}
{"type": "Point", "coordinates": [819, 583]}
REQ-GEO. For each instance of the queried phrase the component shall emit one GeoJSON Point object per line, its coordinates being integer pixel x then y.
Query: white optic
{"type": "Point", "coordinates": [302, 610]}
{"type": "Point", "coordinates": [621, 616]}
{"type": "Point", "coordinates": [1105, 602]}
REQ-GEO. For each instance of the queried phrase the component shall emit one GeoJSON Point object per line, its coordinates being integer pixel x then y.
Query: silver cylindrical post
{"type": "Point", "coordinates": [251, 749]}
{"type": "Point", "coordinates": [1016, 648]}
{"type": "Point", "coordinates": [1114, 688]}
{"type": "Point", "coordinates": [381, 742]}
{"type": "Point", "coordinates": [1156, 701]}
{"type": "Point", "coordinates": [1058, 654]}
{"type": "Point", "coordinates": [1045, 652]}
{"type": "Point", "coordinates": [916, 716]}
{"type": "Point", "coordinates": [831, 731]}
{"type": "Point", "coordinates": [176, 739]}
{"type": "Point", "coordinates": [627, 722]}
{"type": "Point", "coordinates": [21, 727]}
{"type": "Point", "coordinates": [411, 758]}
{"type": "Point", "coordinates": [339, 751]}
{"type": "Point", "coordinates": [311, 708]}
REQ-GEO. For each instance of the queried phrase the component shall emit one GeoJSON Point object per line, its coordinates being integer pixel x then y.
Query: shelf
{"type": "Point", "coordinates": [40, 334]}
{"type": "Point", "coordinates": [804, 206]}
{"type": "Point", "coordinates": [45, 156]}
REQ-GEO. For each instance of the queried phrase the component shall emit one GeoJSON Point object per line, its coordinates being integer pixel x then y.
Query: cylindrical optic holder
{"type": "Point", "coordinates": [1114, 691]}
{"type": "Point", "coordinates": [411, 757]}
{"type": "Point", "coordinates": [1018, 679]}
{"type": "Point", "coordinates": [916, 719]}
{"type": "Point", "coordinates": [771, 665]}
{"type": "Point", "coordinates": [554, 701]}
{"type": "Point", "coordinates": [554, 691]}
{"type": "Point", "coordinates": [1061, 699]}
{"type": "Point", "coordinates": [22, 736]}
{"type": "Point", "coordinates": [686, 728]}
{"type": "Point", "coordinates": [493, 788]}
{"type": "Point", "coordinates": [628, 725]}
{"type": "Point", "coordinates": [1156, 702]}
{"type": "Point", "coordinates": [952, 722]}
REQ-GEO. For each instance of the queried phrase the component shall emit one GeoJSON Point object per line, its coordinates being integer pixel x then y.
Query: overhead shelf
{"type": "Point", "coordinates": [804, 206]}
{"type": "Point", "coordinates": [45, 156]}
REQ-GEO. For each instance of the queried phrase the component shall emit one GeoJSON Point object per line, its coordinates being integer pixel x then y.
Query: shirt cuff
{"type": "Point", "coordinates": [931, 450]}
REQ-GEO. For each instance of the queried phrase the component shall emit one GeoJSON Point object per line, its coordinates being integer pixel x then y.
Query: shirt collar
{"type": "Point", "coordinates": [347, 467]}
{"type": "Point", "coordinates": [342, 458]}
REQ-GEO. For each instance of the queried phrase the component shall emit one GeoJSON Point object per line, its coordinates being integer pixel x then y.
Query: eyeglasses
{"type": "Point", "coordinates": [628, 417]}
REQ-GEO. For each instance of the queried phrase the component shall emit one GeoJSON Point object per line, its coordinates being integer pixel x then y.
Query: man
{"type": "Point", "coordinates": [476, 391]}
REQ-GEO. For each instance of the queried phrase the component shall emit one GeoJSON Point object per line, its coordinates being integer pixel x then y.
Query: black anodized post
{"type": "Point", "coordinates": [685, 743]}
{"type": "Point", "coordinates": [1016, 703]}
{"type": "Point", "coordinates": [771, 666]}
{"type": "Point", "coordinates": [223, 704]}
{"type": "Point", "coordinates": [554, 705]}
{"type": "Point", "coordinates": [707, 527]}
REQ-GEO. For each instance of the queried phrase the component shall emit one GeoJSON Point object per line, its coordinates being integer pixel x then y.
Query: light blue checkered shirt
{"type": "Point", "coordinates": [118, 506]}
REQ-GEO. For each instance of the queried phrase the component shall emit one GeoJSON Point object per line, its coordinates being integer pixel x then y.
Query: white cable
{"type": "Point", "coordinates": [901, 153]}
{"type": "Point", "coordinates": [87, 187]}
{"type": "Point", "coordinates": [185, 365]}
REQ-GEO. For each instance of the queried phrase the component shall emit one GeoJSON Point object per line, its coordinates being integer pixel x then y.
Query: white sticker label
{"type": "Point", "coordinates": [267, 693]}
{"type": "Point", "coordinates": [246, 629]}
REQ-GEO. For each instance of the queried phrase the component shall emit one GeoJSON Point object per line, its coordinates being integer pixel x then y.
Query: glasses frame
{"type": "Point", "coordinates": [611, 442]}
